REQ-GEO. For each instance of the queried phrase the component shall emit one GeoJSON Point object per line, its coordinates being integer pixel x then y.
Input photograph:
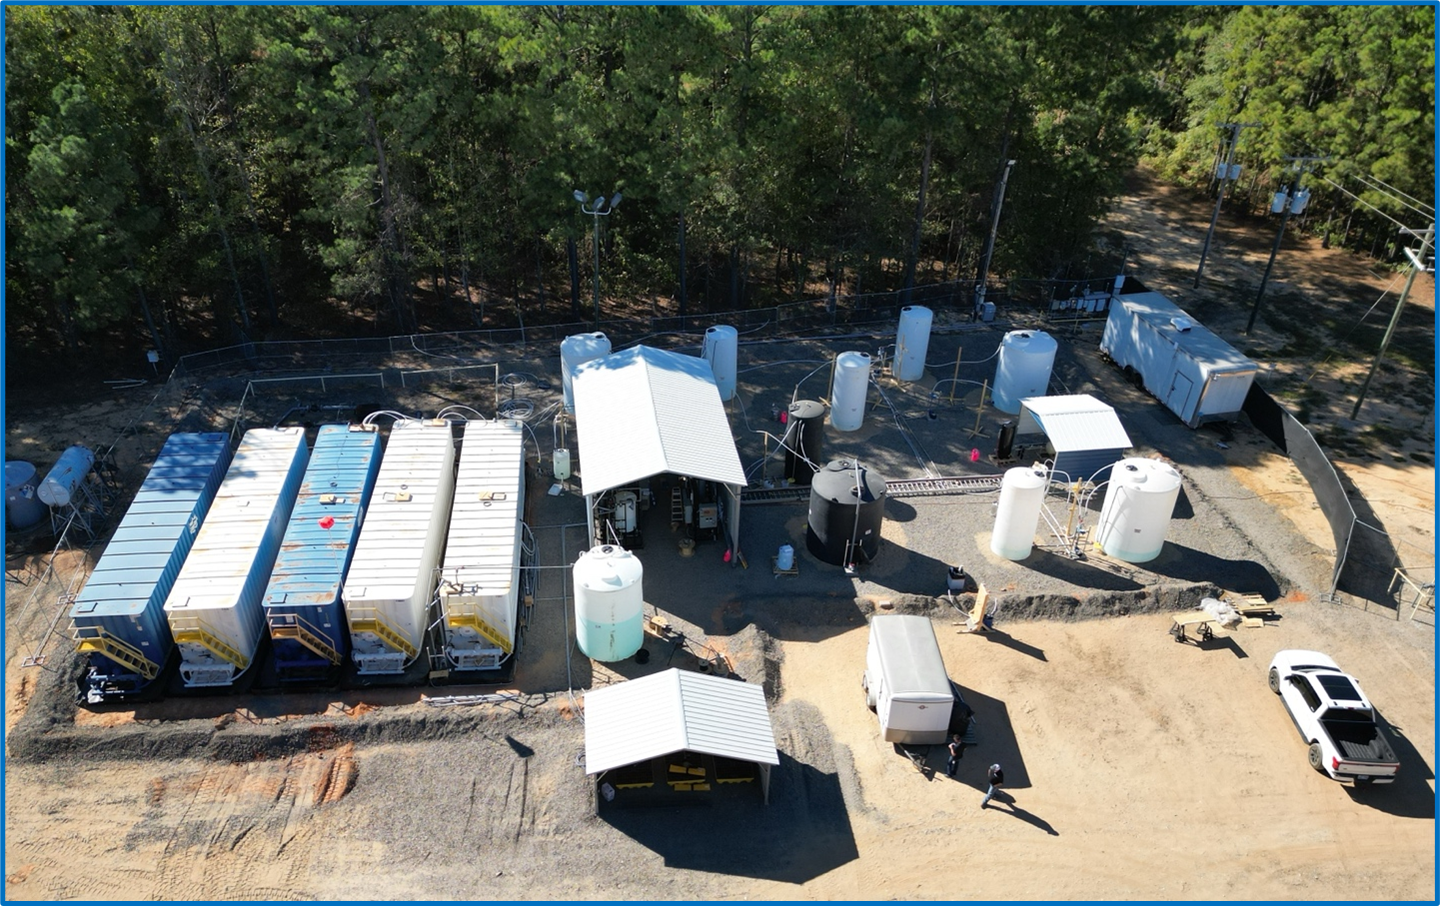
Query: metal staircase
{"type": "Point", "coordinates": [473, 620]}
{"type": "Point", "coordinates": [290, 626]}
{"type": "Point", "coordinates": [193, 631]}
{"type": "Point", "coordinates": [95, 640]}
{"type": "Point", "coordinates": [372, 623]}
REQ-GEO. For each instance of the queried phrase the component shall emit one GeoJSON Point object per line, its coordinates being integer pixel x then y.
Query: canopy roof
{"type": "Point", "coordinates": [1075, 422]}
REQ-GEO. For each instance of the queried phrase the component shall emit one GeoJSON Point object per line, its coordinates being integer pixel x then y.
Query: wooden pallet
{"type": "Point", "coordinates": [775, 567]}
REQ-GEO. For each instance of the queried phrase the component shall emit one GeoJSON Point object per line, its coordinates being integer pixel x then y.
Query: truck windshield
{"type": "Point", "coordinates": [1359, 715]}
{"type": "Point", "coordinates": [1339, 688]}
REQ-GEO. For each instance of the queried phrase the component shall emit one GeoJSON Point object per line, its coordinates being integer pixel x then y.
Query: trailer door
{"type": "Point", "coordinates": [1179, 395]}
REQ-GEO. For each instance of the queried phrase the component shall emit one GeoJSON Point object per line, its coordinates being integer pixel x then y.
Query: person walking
{"type": "Point", "coordinates": [997, 777]}
{"type": "Point", "coordinates": [957, 749]}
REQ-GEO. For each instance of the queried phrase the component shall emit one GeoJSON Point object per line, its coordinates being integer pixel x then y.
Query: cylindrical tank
{"type": "Point", "coordinates": [804, 440]}
{"type": "Point", "coordinates": [848, 390]}
{"type": "Point", "coordinates": [1022, 493]}
{"type": "Point", "coordinates": [22, 507]}
{"type": "Point", "coordinates": [1005, 442]}
{"type": "Point", "coordinates": [1026, 357]}
{"type": "Point", "coordinates": [720, 350]}
{"type": "Point", "coordinates": [912, 342]}
{"type": "Point", "coordinates": [561, 461]}
{"type": "Point", "coordinates": [575, 351]}
{"type": "Point", "coordinates": [609, 603]}
{"type": "Point", "coordinates": [1139, 502]}
{"type": "Point", "coordinates": [62, 480]}
{"type": "Point", "coordinates": [847, 511]}
{"type": "Point", "coordinates": [785, 557]}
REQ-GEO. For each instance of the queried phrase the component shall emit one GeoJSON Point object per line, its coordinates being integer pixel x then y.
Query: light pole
{"type": "Point", "coordinates": [1229, 172]}
{"type": "Point", "coordinates": [1289, 200]}
{"type": "Point", "coordinates": [597, 209]}
{"type": "Point", "coordinates": [1418, 260]}
{"type": "Point", "coordinates": [990, 242]}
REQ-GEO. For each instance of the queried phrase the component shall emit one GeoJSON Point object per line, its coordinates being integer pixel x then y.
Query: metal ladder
{"type": "Point", "coordinates": [474, 621]}
{"type": "Point", "coordinates": [95, 640]}
{"type": "Point", "coordinates": [290, 626]}
{"type": "Point", "coordinates": [378, 627]}
{"type": "Point", "coordinates": [194, 631]}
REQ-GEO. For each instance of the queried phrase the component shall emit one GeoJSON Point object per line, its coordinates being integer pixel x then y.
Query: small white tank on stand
{"type": "Point", "coordinates": [848, 391]}
{"type": "Point", "coordinates": [1022, 494]}
{"type": "Point", "coordinates": [720, 351]}
{"type": "Point", "coordinates": [1139, 501]}
{"type": "Point", "coordinates": [912, 343]}
{"type": "Point", "coordinates": [68, 474]}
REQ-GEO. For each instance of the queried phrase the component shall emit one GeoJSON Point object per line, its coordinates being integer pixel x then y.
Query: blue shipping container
{"type": "Point", "coordinates": [302, 602]}
{"type": "Point", "coordinates": [215, 610]}
{"type": "Point", "coordinates": [118, 620]}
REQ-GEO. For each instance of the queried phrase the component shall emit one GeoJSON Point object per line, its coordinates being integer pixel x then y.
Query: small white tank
{"type": "Point", "coordinates": [609, 603]}
{"type": "Point", "coordinates": [720, 351]}
{"type": "Point", "coordinates": [575, 351]}
{"type": "Point", "coordinates": [912, 342]}
{"type": "Point", "coordinates": [1026, 357]}
{"type": "Point", "coordinates": [562, 463]}
{"type": "Point", "coordinates": [1022, 494]}
{"type": "Point", "coordinates": [67, 475]}
{"type": "Point", "coordinates": [848, 391]}
{"type": "Point", "coordinates": [1139, 501]}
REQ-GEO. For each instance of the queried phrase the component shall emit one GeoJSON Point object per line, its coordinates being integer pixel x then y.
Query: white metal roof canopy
{"type": "Point", "coordinates": [676, 711]}
{"type": "Point", "coordinates": [1075, 422]}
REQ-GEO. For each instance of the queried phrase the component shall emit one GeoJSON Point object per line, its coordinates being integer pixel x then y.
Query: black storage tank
{"type": "Point", "coordinates": [804, 440]}
{"type": "Point", "coordinates": [1005, 443]}
{"type": "Point", "coordinates": [847, 509]}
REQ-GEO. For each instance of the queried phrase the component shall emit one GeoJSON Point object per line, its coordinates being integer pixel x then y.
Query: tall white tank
{"type": "Point", "coordinates": [912, 342]}
{"type": "Point", "coordinates": [1139, 502]}
{"type": "Point", "coordinates": [1026, 357]}
{"type": "Point", "coordinates": [575, 351]}
{"type": "Point", "coordinates": [848, 390]}
{"type": "Point", "coordinates": [719, 350]}
{"type": "Point", "coordinates": [609, 603]}
{"type": "Point", "coordinates": [66, 476]}
{"type": "Point", "coordinates": [1022, 493]}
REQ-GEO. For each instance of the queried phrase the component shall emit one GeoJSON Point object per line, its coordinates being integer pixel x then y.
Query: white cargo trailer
{"type": "Point", "coordinates": [905, 680]}
{"type": "Point", "coordinates": [1197, 375]}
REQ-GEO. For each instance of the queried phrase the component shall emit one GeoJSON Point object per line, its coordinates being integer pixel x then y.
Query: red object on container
{"type": "Point", "coordinates": [974, 455]}
{"type": "Point", "coordinates": [327, 521]}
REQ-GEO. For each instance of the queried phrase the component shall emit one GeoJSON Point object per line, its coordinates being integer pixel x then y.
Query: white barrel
{"type": "Point", "coordinates": [1026, 357]}
{"type": "Point", "coordinates": [575, 351]}
{"type": "Point", "coordinates": [1139, 501]}
{"type": "Point", "coordinates": [562, 463]}
{"type": "Point", "coordinates": [912, 342]}
{"type": "Point", "coordinates": [1022, 493]}
{"type": "Point", "coordinates": [848, 390]}
{"type": "Point", "coordinates": [720, 348]}
{"type": "Point", "coordinates": [67, 475]}
{"type": "Point", "coordinates": [609, 603]}
{"type": "Point", "coordinates": [22, 507]}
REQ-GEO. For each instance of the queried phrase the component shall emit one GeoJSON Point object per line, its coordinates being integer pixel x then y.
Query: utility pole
{"type": "Point", "coordinates": [990, 242]}
{"type": "Point", "coordinates": [1287, 197]}
{"type": "Point", "coordinates": [1228, 174]}
{"type": "Point", "coordinates": [1427, 240]}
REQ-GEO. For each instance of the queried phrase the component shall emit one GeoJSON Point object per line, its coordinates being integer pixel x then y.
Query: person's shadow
{"type": "Point", "coordinates": [1005, 798]}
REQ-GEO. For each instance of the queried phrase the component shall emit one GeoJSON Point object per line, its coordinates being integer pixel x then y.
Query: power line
{"type": "Point", "coordinates": [1423, 209]}
{"type": "Point", "coordinates": [1363, 201]}
{"type": "Point", "coordinates": [1399, 201]}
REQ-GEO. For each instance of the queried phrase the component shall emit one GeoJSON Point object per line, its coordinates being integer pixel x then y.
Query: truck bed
{"type": "Point", "coordinates": [1360, 742]}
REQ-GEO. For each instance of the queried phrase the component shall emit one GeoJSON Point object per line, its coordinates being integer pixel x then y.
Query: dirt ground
{"type": "Point", "coordinates": [1137, 768]}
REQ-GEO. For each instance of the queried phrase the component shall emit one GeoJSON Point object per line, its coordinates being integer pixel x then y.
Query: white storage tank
{"type": "Point", "coordinates": [609, 603]}
{"type": "Point", "coordinates": [912, 342]}
{"type": "Point", "coordinates": [575, 351]}
{"type": "Point", "coordinates": [720, 350]}
{"type": "Point", "coordinates": [1026, 357]}
{"type": "Point", "coordinates": [1022, 494]}
{"type": "Point", "coordinates": [1139, 502]}
{"type": "Point", "coordinates": [848, 390]}
{"type": "Point", "coordinates": [67, 475]}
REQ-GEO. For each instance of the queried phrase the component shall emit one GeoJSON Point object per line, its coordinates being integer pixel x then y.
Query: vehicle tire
{"type": "Point", "coordinates": [1317, 757]}
{"type": "Point", "coordinates": [1274, 681]}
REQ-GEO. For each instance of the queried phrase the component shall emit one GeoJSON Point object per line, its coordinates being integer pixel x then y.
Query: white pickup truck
{"type": "Point", "coordinates": [1334, 717]}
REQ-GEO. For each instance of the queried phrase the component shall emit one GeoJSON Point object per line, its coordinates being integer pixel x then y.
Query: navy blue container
{"type": "Point", "coordinates": [118, 619]}
{"type": "Point", "coordinates": [302, 602]}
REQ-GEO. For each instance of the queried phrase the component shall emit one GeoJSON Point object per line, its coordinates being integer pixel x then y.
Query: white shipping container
{"type": "Point", "coordinates": [391, 580]}
{"type": "Point", "coordinates": [214, 608]}
{"type": "Point", "coordinates": [1197, 375]}
{"type": "Point", "coordinates": [905, 680]}
{"type": "Point", "coordinates": [480, 578]}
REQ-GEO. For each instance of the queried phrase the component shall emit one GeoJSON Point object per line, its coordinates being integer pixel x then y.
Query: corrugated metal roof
{"type": "Point", "coordinates": [1075, 422]}
{"type": "Point", "coordinates": [676, 711]}
{"type": "Point", "coordinates": [645, 411]}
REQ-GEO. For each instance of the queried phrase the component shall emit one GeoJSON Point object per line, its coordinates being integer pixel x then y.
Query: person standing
{"type": "Point", "coordinates": [957, 749]}
{"type": "Point", "coordinates": [997, 777]}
